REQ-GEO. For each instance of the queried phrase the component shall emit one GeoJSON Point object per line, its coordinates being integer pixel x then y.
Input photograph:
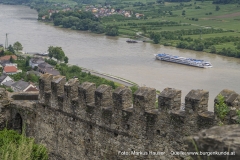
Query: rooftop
{"type": "Point", "coordinates": [9, 69]}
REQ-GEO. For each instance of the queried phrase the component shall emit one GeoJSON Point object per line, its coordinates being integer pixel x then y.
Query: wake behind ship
{"type": "Point", "coordinates": [183, 60]}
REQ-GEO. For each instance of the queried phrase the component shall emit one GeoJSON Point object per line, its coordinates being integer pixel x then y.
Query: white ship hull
{"type": "Point", "coordinates": [183, 60]}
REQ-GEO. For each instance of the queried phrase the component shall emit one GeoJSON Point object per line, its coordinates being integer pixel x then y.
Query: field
{"type": "Point", "coordinates": [195, 25]}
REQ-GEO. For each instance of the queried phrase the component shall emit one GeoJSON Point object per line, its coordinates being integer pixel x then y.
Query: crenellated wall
{"type": "Point", "coordinates": [80, 121]}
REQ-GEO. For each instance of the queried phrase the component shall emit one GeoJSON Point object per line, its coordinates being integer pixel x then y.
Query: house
{"type": "Point", "coordinates": [9, 64]}
{"type": "Point", "coordinates": [47, 68]}
{"type": "Point", "coordinates": [139, 15]}
{"type": "Point", "coordinates": [34, 62]}
{"type": "Point", "coordinates": [22, 86]}
{"type": "Point", "coordinates": [5, 78]}
{"type": "Point", "coordinates": [11, 70]}
{"type": "Point", "coordinates": [7, 58]}
{"type": "Point", "coordinates": [8, 83]}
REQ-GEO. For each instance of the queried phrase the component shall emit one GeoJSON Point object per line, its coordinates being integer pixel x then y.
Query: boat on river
{"type": "Point", "coordinates": [183, 60]}
{"type": "Point", "coordinates": [131, 41]}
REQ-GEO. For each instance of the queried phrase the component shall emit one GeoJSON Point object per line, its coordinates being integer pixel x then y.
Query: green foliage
{"type": "Point", "coordinates": [112, 30]}
{"type": "Point", "coordinates": [156, 37]}
{"type": "Point", "coordinates": [183, 12]}
{"type": "Point", "coordinates": [221, 108]}
{"type": "Point", "coordinates": [17, 46]}
{"type": "Point", "coordinates": [23, 64]}
{"type": "Point", "coordinates": [9, 89]}
{"type": "Point", "coordinates": [225, 1]}
{"type": "Point", "coordinates": [208, 43]}
{"type": "Point", "coordinates": [56, 52]}
{"type": "Point", "coordinates": [213, 49]}
{"type": "Point", "coordinates": [10, 49]}
{"type": "Point", "coordinates": [14, 146]}
{"type": "Point", "coordinates": [75, 71]}
{"type": "Point", "coordinates": [51, 62]}
{"type": "Point", "coordinates": [6, 52]}
{"type": "Point", "coordinates": [78, 21]}
{"type": "Point", "coordinates": [66, 59]}
{"type": "Point", "coordinates": [217, 8]}
{"type": "Point", "coordinates": [32, 77]}
{"type": "Point", "coordinates": [144, 29]}
{"type": "Point", "coordinates": [11, 59]}
{"type": "Point", "coordinates": [134, 88]}
{"type": "Point", "coordinates": [25, 77]}
{"type": "Point", "coordinates": [2, 53]}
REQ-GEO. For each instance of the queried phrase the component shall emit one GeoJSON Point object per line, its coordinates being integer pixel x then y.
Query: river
{"type": "Point", "coordinates": [112, 55]}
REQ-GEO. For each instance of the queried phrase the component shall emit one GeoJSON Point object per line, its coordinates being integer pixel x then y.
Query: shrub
{"type": "Point", "coordinates": [14, 146]}
{"type": "Point", "coordinates": [221, 108]}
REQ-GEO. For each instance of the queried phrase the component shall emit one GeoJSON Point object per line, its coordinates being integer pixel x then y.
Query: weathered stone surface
{"type": "Point", "coordinates": [24, 95]}
{"type": "Point", "coordinates": [169, 99]}
{"type": "Point", "coordinates": [44, 85]}
{"type": "Point", "coordinates": [196, 100]}
{"type": "Point", "coordinates": [89, 123]}
{"type": "Point", "coordinates": [228, 95]}
{"type": "Point", "coordinates": [218, 138]}
{"type": "Point", "coordinates": [232, 100]}
{"type": "Point", "coordinates": [57, 87]}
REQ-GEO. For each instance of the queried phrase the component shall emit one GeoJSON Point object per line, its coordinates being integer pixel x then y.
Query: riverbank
{"type": "Point", "coordinates": [112, 55]}
{"type": "Point", "coordinates": [172, 29]}
{"type": "Point", "coordinates": [115, 79]}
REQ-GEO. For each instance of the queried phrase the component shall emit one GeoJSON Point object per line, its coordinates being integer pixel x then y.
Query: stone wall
{"type": "Point", "coordinates": [84, 122]}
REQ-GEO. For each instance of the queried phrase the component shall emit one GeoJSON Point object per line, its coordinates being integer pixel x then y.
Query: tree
{"type": "Point", "coordinates": [213, 49]}
{"type": "Point", "coordinates": [156, 37]}
{"type": "Point", "coordinates": [27, 61]}
{"type": "Point", "coordinates": [238, 46]}
{"type": "Point", "coordinates": [10, 49]}
{"type": "Point", "coordinates": [11, 59]}
{"type": "Point", "coordinates": [50, 51]}
{"type": "Point", "coordinates": [17, 46]}
{"type": "Point", "coordinates": [65, 59]}
{"type": "Point", "coordinates": [2, 53]}
{"type": "Point", "coordinates": [112, 30]}
{"type": "Point", "coordinates": [217, 8]}
{"type": "Point", "coordinates": [183, 12]}
{"type": "Point", "coordinates": [144, 29]}
{"type": "Point", "coordinates": [56, 52]}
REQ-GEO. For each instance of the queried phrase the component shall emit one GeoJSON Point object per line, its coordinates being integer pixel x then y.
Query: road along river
{"type": "Point", "coordinates": [112, 55]}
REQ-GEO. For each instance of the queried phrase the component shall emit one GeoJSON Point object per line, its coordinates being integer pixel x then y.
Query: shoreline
{"type": "Point", "coordinates": [113, 78]}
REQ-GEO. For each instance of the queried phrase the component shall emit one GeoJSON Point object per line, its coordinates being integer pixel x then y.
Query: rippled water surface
{"type": "Point", "coordinates": [114, 56]}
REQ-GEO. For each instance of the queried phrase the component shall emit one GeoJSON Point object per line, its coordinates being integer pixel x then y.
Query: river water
{"type": "Point", "coordinates": [112, 55]}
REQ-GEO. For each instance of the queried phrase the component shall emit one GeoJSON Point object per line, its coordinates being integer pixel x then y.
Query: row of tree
{"type": "Point", "coordinates": [201, 44]}
{"type": "Point", "coordinates": [83, 21]}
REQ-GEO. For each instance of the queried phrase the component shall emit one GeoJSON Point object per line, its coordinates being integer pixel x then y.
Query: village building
{"type": "Point", "coordinates": [11, 70]}
{"type": "Point", "coordinates": [5, 78]}
{"type": "Point", "coordinates": [47, 68]}
{"type": "Point", "coordinates": [22, 86]}
{"type": "Point", "coordinates": [7, 58]}
{"type": "Point", "coordinates": [35, 61]}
